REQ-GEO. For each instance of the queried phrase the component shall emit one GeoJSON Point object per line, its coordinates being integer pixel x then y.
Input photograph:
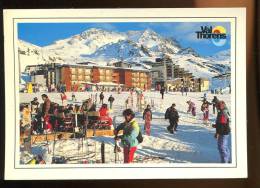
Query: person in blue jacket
{"type": "Point", "coordinates": [130, 132]}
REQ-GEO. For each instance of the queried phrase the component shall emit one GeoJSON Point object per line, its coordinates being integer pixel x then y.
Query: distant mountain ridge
{"type": "Point", "coordinates": [106, 47]}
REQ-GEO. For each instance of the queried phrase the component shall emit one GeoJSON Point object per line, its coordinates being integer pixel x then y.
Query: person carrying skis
{"type": "Point", "coordinates": [147, 116]}
{"type": "Point", "coordinates": [101, 98]}
{"type": "Point", "coordinates": [131, 130]}
{"type": "Point", "coordinates": [214, 102]}
{"type": "Point", "coordinates": [173, 116]}
{"type": "Point", "coordinates": [162, 91]}
{"type": "Point", "coordinates": [222, 132]}
{"type": "Point", "coordinates": [191, 108]}
{"type": "Point", "coordinates": [205, 110]}
{"type": "Point", "coordinates": [111, 100]}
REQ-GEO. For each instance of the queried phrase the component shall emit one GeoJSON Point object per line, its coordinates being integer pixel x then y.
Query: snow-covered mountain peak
{"type": "Point", "coordinates": [223, 55]}
{"type": "Point", "coordinates": [95, 32]}
{"type": "Point", "coordinates": [189, 51]}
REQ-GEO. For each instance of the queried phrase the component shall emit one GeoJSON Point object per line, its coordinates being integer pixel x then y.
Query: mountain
{"type": "Point", "coordinates": [188, 50]}
{"type": "Point", "coordinates": [105, 47]}
{"type": "Point", "coordinates": [221, 56]}
{"type": "Point", "coordinates": [122, 50]}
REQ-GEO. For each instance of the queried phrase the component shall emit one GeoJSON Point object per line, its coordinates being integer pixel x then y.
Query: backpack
{"type": "Point", "coordinates": [140, 137]}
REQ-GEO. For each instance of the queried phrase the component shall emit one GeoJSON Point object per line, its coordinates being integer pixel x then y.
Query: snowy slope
{"type": "Point", "coordinates": [193, 143]}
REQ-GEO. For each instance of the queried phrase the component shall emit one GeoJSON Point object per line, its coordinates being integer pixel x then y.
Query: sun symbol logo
{"type": "Point", "coordinates": [219, 41]}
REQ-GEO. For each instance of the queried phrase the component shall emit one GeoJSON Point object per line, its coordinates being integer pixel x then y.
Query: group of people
{"type": "Point", "coordinates": [222, 124]}
{"type": "Point", "coordinates": [48, 116]}
{"type": "Point", "coordinates": [131, 130]}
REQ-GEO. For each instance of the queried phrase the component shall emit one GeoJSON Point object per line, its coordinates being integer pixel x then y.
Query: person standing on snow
{"type": "Point", "coordinates": [162, 91]}
{"type": "Point", "coordinates": [130, 132]}
{"type": "Point", "coordinates": [34, 106]}
{"type": "Point", "coordinates": [46, 111]}
{"type": "Point", "coordinates": [205, 110]}
{"type": "Point", "coordinates": [173, 116]}
{"type": "Point", "coordinates": [101, 98]}
{"type": "Point", "coordinates": [214, 102]}
{"type": "Point", "coordinates": [222, 132]}
{"type": "Point", "coordinates": [63, 97]}
{"type": "Point", "coordinates": [147, 116]}
{"type": "Point", "coordinates": [111, 100]}
{"type": "Point", "coordinates": [191, 108]}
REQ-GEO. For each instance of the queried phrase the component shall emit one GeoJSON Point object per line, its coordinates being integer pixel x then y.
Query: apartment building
{"type": "Point", "coordinates": [75, 77]}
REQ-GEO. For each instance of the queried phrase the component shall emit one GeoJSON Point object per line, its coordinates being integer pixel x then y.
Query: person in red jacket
{"type": "Point", "coordinates": [104, 114]}
{"type": "Point", "coordinates": [147, 116]}
{"type": "Point", "coordinates": [63, 97]}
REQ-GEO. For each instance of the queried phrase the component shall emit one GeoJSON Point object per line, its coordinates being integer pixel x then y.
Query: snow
{"type": "Point", "coordinates": [105, 47]}
{"type": "Point", "coordinates": [193, 142]}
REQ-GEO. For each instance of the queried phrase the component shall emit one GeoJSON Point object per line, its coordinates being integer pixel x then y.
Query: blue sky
{"type": "Point", "coordinates": [43, 34]}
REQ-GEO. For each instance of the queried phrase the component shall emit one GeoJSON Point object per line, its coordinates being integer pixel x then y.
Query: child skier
{"type": "Point", "coordinates": [191, 108]}
{"type": "Point", "coordinates": [147, 116]}
{"type": "Point", "coordinates": [205, 110]}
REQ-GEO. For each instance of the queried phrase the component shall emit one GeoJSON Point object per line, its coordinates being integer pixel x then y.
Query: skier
{"type": "Point", "coordinates": [63, 97]}
{"type": "Point", "coordinates": [126, 102]}
{"type": "Point", "coordinates": [129, 140]}
{"type": "Point", "coordinates": [173, 116]}
{"type": "Point", "coordinates": [204, 96]}
{"type": "Point", "coordinates": [111, 100]}
{"type": "Point", "coordinates": [147, 116]}
{"type": "Point", "coordinates": [73, 97]}
{"type": "Point", "coordinates": [162, 91]}
{"type": "Point", "coordinates": [205, 110]}
{"type": "Point", "coordinates": [191, 108]}
{"type": "Point", "coordinates": [101, 98]}
{"type": "Point", "coordinates": [214, 102]}
{"type": "Point", "coordinates": [222, 132]}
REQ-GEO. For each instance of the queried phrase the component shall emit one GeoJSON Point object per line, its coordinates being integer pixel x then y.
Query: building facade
{"type": "Point", "coordinates": [76, 77]}
{"type": "Point", "coordinates": [174, 78]}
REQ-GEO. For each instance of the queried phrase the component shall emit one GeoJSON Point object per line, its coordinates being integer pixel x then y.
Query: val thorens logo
{"type": "Point", "coordinates": [217, 34]}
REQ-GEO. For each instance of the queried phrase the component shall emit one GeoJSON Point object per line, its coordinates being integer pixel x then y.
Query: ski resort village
{"type": "Point", "coordinates": [103, 96]}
